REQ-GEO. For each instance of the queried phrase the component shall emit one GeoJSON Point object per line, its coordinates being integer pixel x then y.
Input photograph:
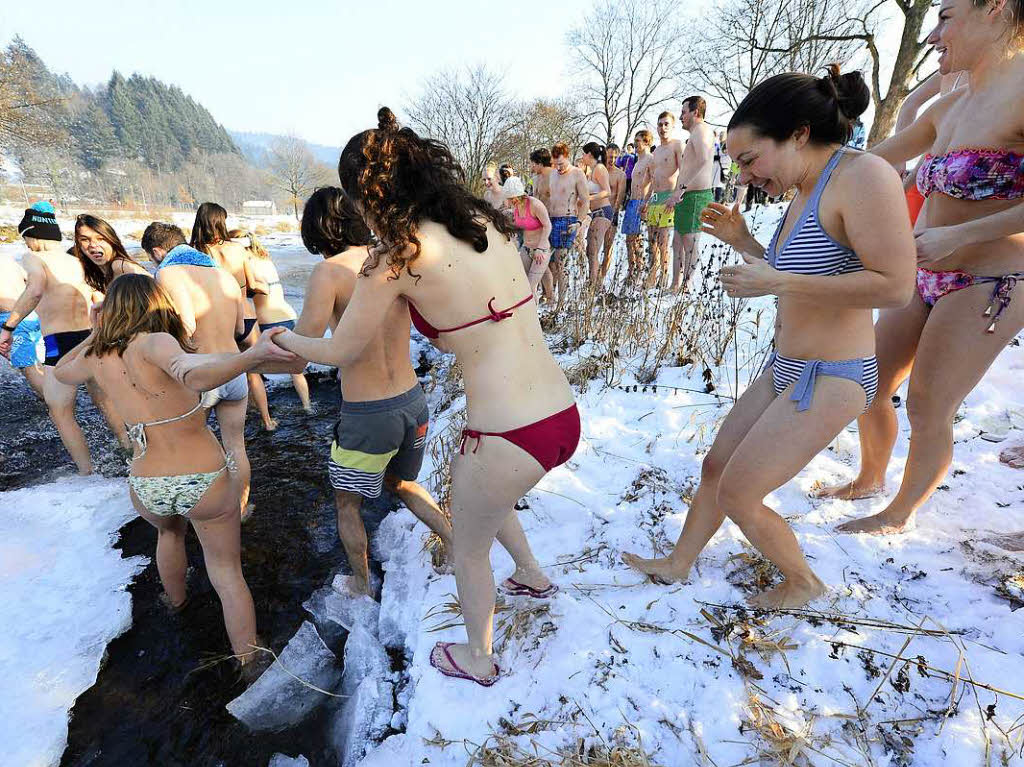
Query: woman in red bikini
{"type": "Point", "coordinates": [970, 249]}
{"type": "Point", "coordinates": [450, 256]}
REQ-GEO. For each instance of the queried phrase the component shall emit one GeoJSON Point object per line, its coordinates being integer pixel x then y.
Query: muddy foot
{"type": "Point", "coordinates": [877, 524]}
{"type": "Point", "coordinates": [660, 570]}
{"type": "Point", "coordinates": [788, 595]}
{"type": "Point", "coordinates": [850, 491]}
{"type": "Point", "coordinates": [270, 425]}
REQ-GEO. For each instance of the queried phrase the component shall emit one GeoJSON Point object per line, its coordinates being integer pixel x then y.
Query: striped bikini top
{"type": "Point", "coordinates": [808, 249]}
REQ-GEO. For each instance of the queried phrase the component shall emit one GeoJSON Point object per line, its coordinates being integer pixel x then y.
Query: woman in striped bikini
{"type": "Point", "coordinates": [843, 248]}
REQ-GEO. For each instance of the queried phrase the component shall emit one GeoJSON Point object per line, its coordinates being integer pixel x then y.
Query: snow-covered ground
{"type": "Point", "coordinates": [64, 598]}
{"type": "Point", "coordinates": [614, 659]}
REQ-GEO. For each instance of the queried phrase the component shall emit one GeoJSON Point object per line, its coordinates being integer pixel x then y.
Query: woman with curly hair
{"type": "Point", "coordinates": [450, 256]}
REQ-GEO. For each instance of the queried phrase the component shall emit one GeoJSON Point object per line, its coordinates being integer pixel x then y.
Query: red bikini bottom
{"type": "Point", "coordinates": [551, 441]}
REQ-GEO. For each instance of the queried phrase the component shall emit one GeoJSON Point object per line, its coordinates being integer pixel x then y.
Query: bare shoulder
{"type": "Point", "coordinates": [866, 175]}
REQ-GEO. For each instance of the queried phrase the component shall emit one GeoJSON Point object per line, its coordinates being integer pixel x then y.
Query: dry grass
{"type": "Point", "coordinates": [626, 749]}
{"type": "Point", "coordinates": [9, 234]}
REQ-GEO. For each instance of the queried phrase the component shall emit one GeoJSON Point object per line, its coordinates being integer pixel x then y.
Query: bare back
{"type": "Point", "coordinates": [384, 369]}
{"type": "Point", "coordinates": [144, 392]}
{"type": "Point", "coordinates": [272, 307]}
{"type": "Point", "coordinates": [510, 375]}
{"type": "Point", "coordinates": [66, 296]}
{"type": "Point", "coordinates": [211, 297]}
{"type": "Point", "coordinates": [12, 281]}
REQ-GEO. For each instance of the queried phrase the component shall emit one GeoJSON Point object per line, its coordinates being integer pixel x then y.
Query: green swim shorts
{"type": "Point", "coordinates": [687, 218]}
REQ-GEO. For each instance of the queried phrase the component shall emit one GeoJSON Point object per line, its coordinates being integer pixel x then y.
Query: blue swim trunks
{"type": "Point", "coordinates": [27, 348]}
{"type": "Point", "coordinates": [631, 218]}
{"type": "Point", "coordinates": [563, 232]}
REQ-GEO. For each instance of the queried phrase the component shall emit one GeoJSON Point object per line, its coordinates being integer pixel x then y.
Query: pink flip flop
{"type": "Point", "coordinates": [516, 589]}
{"type": "Point", "coordinates": [441, 651]}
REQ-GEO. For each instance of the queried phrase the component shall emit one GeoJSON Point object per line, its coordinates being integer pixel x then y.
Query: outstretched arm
{"type": "Point", "coordinates": [74, 367]}
{"type": "Point", "coordinates": [374, 293]}
{"type": "Point", "coordinates": [203, 372]}
{"type": "Point", "coordinates": [35, 286]}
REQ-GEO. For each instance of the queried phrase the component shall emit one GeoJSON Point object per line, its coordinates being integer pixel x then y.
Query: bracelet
{"type": "Point", "coordinates": [8, 328]}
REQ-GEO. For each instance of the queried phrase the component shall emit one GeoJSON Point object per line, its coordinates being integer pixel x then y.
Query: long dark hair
{"type": "Point", "coordinates": [210, 227]}
{"type": "Point", "coordinates": [400, 179]}
{"type": "Point", "coordinates": [96, 276]}
{"type": "Point", "coordinates": [595, 150]}
{"type": "Point", "coordinates": [782, 105]}
{"type": "Point", "coordinates": [135, 304]}
{"type": "Point", "coordinates": [330, 225]}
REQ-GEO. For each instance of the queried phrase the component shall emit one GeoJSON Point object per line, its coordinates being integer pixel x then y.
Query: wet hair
{"type": "Point", "coordinates": [330, 225]}
{"type": "Point", "coordinates": [97, 277]}
{"type": "Point", "coordinates": [644, 135]}
{"type": "Point", "coordinates": [561, 149]}
{"type": "Point", "coordinates": [505, 172]}
{"type": "Point", "coordinates": [1014, 11]}
{"type": "Point", "coordinates": [255, 246]}
{"type": "Point", "coordinates": [696, 104]}
{"type": "Point", "coordinates": [399, 179]}
{"type": "Point", "coordinates": [135, 304]}
{"type": "Point", "coordinates": [210, 227]}
{"type": "Point", "coordinates": [161, 235]}
{"type": "Point", "coordinates": [782, 105]}
{"type": "Point", "coordinates": [595, 150]}
{"type": "Point", "coordinates": [541, 156]}
{"type": "Point", "coordinates": [667, 114]}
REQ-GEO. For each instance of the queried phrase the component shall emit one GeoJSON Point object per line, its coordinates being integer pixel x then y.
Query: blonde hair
{"type": "Point", "coordinates": [136, 304]}
{"type": "Point", "coordinates": [254, 246]}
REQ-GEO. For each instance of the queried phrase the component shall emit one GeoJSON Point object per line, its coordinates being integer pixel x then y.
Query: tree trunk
{"type": "Point", "coordinates": [900, 84]}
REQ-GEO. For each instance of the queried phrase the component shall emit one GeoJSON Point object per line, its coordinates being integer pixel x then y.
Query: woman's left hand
{"type": "Point", "coordinates": [934, 244]}
{"type": "Point", "coordinates": [539, 255]}
{"type": "Point", "coordinates": [754, 277]}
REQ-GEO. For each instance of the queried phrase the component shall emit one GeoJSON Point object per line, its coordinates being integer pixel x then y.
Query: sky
{"type": "Point", "coordinates": [317, 69]}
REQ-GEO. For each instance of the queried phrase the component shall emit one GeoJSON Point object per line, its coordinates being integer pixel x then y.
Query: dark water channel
{"type": "Point", "coordinates": [157, 699]}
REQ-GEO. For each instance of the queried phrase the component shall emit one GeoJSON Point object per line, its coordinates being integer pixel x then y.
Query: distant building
{"type": "Point", "coordinates": [259, 208]}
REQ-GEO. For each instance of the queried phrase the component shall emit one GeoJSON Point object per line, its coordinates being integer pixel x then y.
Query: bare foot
{"type": "Point", "coordinates": [788, 595]}
{"type": "Point", "coordinates": [877, 524]}
{"type": "Point", "coordinates": [1013, 542]}
{"type": "Point", "coordinates": [270, 425]}
{"type": "Point", "coordinates": [661, 570]}
{"type": "Point", "coordinates": [851, 491]}
{"type": "Point", "coordinates": [482, 667]}
{"type": "Point", "coordinates": [1013, 456]}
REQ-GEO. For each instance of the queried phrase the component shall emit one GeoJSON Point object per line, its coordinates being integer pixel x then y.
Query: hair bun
{"type": "Point", "coordinates": [849, 90]}
{"type": "Point", "coordinates": [386, 120]}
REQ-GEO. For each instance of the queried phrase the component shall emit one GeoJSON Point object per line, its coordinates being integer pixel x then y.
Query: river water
{"type": "Point", "coordinates": [157, 701]}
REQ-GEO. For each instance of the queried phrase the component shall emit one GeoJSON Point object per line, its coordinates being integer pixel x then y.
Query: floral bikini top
{"type": "Point", "coordinates": [973, 174]}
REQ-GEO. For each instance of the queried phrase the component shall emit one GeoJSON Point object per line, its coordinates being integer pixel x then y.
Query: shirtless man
{"type": "Point", "coordinates": [27, 340]}
{"type": "Point", "coordinates": [492, 189]}
{"type": "Point", "coordinates": [639, 188]}
{"type": "Point", "coordinates": [566, 183]}
{"type": "Point", "coordinates": [694, 189]}
{"type": "Point", "coordinates": [380, 437]}
{"type": "Point", "coordinates": [617, 182]}
{"type": "Point", "coordinates": [540, 166]}
{"type": "Point", "coordinates": [666, 160]}
{"type": "Point", "coordinates": [213, 312]}
{"type": "Point", "coordinates": [56, 290]}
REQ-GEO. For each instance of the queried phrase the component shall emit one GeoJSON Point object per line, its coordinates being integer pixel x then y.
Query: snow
{"type": "Point", "coordinates": [614, 657]}
{"type": "Point", "coordinates": [64, 600]}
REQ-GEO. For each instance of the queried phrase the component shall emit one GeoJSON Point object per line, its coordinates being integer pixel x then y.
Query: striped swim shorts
{"type": "Point", "coordinates": [379, 437]}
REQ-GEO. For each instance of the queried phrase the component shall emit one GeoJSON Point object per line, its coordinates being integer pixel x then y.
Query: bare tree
{"type": "Point", "coordinates": [27, 111]}
{"type": "Point", "coordinates": [746, 41]}
{"type": "Point", "coordinates": [539, 123]}
{"type": "Point", "coordinates": [294, 169]}
{"type": "Point", "coordinates": [629, 55]}
{"type": "Point", "coordinates": [911, 56]}
{"type": "Point", "coordinates": [470, 111]}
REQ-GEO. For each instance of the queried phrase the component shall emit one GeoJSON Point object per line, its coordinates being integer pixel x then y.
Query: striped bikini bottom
{"type": "Point", "coordinates": [804, 373]}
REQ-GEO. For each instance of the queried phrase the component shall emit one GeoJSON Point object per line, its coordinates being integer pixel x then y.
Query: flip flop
{"type": "Point", "coordinates": [516, 589]}
{"type": "Point", "coordinates": [441, 651]}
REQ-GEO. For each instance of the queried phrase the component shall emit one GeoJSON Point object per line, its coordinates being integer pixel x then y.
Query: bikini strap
{"type": "Point", "coordinates": [823, 179]}
{"type": "Point", "coordinates": [137, 431]}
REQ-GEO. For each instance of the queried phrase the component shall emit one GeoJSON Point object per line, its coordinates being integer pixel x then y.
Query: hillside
{"type": "Point", "coordinates": [254, 147]}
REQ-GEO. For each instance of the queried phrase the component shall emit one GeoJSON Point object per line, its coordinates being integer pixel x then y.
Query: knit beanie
{"type": "Point", "coordinates": [40, 222]}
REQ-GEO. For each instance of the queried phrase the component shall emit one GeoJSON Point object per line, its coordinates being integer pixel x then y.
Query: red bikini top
{"type": "Point", "coordinates": [430, 331]}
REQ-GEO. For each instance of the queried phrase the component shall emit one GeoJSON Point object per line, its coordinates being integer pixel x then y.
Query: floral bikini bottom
{"type": "Point", "coordinates": [932, 286]}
